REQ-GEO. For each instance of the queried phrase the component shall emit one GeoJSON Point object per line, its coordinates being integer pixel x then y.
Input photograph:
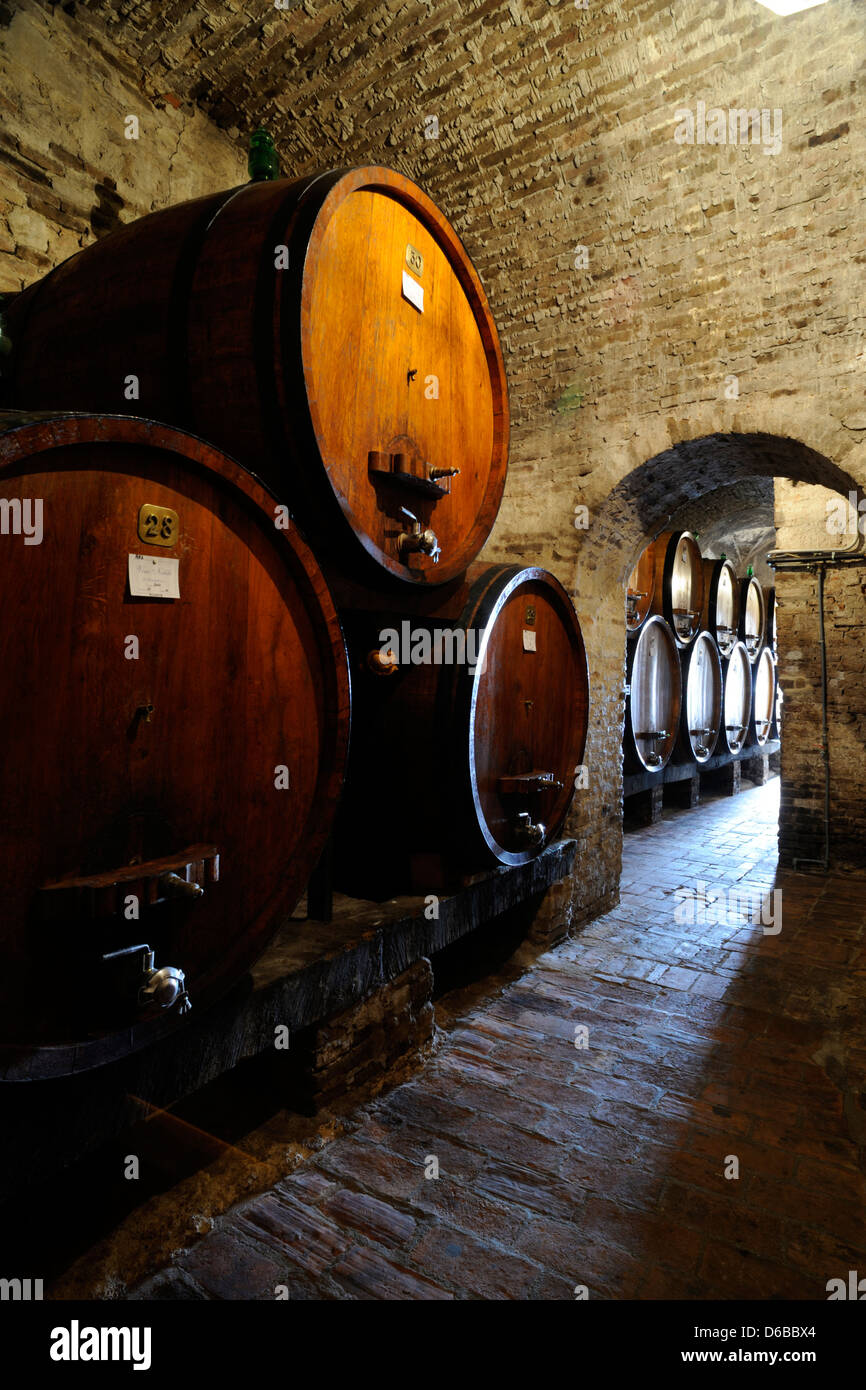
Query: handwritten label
{"type": "Point", "coordinates": [154, 576]}
{"type": "Point", "coordinates": [528, 640]}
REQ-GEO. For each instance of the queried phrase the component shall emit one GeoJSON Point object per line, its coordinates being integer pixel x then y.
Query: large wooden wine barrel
{"type": "Point", "coordinates": [764, 698]}
{"type": "Point", "coordinates": [753, 617]}
{"type": "Point", "coordinates": [721, 611]}
{"type": "Point", "coordinates": [467, 738]}
{"type": "Point", "coordinates": [640, 590]}
{"type": "Point", "coordinates": [679, 584]}
{"type": "Point", "coordinates": [653, 702]}
{"type": "Point", "coordinates": [738, 697]}
{"type": "Point", "coordinates": [701, 716]}
{"type": "Point", "coordinates": [176, 703]}
{"type": "Point", "coordinates": [329, 332]}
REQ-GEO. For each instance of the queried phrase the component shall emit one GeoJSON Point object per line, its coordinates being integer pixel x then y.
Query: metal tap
{"type": "Point", "coordinates": [138, 975]}
{"type": "Point", "coordinates": [417, 541]}
{"type": "Point", "coordinates": [165, 987]}
{"type": "Point", "coordinates": [528, 833]}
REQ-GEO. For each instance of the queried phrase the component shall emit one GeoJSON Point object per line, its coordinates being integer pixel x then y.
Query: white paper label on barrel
{"type": "Point", "coordinates": [528, 640]}
{"type": "Point", "coordinates": [413, 291]}
{"type": "Point", "coordinates": [154, 576]}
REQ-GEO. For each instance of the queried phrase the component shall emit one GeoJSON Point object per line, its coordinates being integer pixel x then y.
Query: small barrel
{"type": "Point", "coordinates": [329, 332]}
{"type": "Point", "coordinates": [753, 617]}
{"type": "Point", "coordinates": [654, 697]}
{"type": "Point", "coordinates": [469, 726]}
{"type": "Point", "coordinates": [640, 590]}
{"type": "Point", "coordinates": [176, 701]}
{"type": "Point", "coordinates": [679, 584]}
{"type": "Point", "coordinates": [764, 700]}
{"type": "Point", "coordinates": [701, 717]}
{"type": "Point", "coordinates": [738, 698]}
{"type": "Point", "coordinates": [721, 611]}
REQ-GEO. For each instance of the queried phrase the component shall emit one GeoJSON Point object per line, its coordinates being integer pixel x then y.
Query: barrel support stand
{"type": "Point", "coordinates": [725, 779]}
{"type": "Point", "coordinates": [684, 792]}
{"type": "Point", "coordinates": [645, 807]}
{"type": "Point", "coordinates": [757, 767]}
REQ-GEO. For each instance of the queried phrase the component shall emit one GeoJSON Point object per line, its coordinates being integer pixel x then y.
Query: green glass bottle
{"type": "Point", "coordinates": [263, 163]}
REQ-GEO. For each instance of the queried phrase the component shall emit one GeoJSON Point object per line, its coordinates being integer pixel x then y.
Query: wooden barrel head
{"type": "Point", "coordinates": [331, 333]}
{"type": "Point", "coordinates": [753, 617]}
{"type": "Point", "coordinates": [640, 589]}
{"type": "Point", "coordinates": [654, 700]}
{"type": "Point", "coordinates": [738, 697]}
{"type": "Point", "coordinates": [679, 584]}
{"type": "Point", "coordinates": [721, 614]}
{"type": "Point", "coordinates": [528, 713]}
{"type": "Point", "coordinates": [763, 708]}
{"type": "Point", "coordinates": [702, 698]}
{"type": "Point", "coordinates": [200, 737]}
{"type": "Point", "coordinates": [395, 329]}
{"type": "Point", "coordinates": [466, 742]}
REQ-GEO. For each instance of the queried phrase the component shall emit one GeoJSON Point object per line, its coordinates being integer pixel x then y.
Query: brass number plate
{"type": "Point", "coordinates": [158, 525]}
{"type": "Point", "coordinates": [530, 616]}
{"type": "Point", "coordinates": [414, 260]}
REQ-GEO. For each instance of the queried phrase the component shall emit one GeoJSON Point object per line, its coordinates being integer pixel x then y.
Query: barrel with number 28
{"type": "Point", "coordinates": [177, 731]}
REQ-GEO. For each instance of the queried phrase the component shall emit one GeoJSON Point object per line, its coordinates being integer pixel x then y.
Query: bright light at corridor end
{"type": "Point", "coordinates": [790, 6]}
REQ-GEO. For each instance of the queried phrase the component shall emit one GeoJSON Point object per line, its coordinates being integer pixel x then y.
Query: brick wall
{"type": "Point", "coordinates": [801, 518]}
{"type": "Point", "coordinates": [714, 332]}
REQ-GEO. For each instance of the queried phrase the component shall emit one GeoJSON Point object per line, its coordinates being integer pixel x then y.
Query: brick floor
{"type": "Point", "coordinates": [713, 1047]}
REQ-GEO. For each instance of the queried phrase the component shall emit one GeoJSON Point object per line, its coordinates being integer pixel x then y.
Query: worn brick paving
{"type": "Point", "coordinates": [605, 1166]}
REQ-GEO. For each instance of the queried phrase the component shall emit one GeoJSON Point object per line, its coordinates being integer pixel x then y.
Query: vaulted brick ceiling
{"type": "Point", "coordinates": [554, 128]}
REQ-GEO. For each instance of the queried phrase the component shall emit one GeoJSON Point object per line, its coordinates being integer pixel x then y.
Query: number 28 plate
{"type": "Point", "coordinates": [158, 525]}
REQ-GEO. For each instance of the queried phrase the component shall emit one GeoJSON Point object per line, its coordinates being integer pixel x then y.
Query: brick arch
{"type": "Point", "coordinates": [644, 502]}
{"type": "Point", "coordinates": [639, 505]}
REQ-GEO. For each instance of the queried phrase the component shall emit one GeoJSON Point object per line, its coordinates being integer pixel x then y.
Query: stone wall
{"type": "Point", "coordinates": [68, 172]}
{"type": "Point", "coordinates": [676, 316]}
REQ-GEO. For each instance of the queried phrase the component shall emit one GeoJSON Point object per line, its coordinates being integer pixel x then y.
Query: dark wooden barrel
{"type": "Point", "coordinates": [467, 740]}
{"type": "Point", "coordinates": [356, 382]}
{"type": "Point", "coordinates": [753, 617]}
{"type": "Point", "coordinates": [640, 590]}
{"type": "Point", "coordinates": [738, 697]}
{"type": "Point", "coordinates": [156, 746]}
{"type": "Point", "coordinates": [764, 698]}
{"type": "Point", "coordinates": [679, 584]}
{"type": "Point", "coordinates": [701, 715]}
{"type": "Point", "coordinates": [721, 611]}
{"type": "Point", "coordinates": [654, 697]}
